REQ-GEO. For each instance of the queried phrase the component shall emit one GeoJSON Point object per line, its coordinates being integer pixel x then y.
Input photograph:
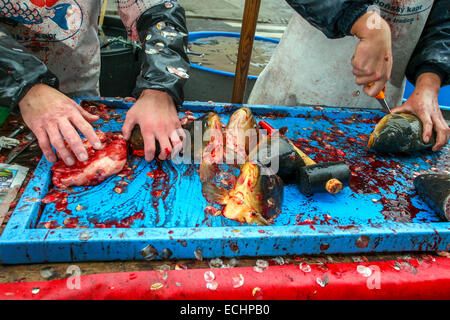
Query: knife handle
{"type": "Point", "coordinates": [381, 94]}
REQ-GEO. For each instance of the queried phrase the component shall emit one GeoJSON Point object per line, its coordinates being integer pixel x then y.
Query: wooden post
{"type": "Point", "coordinates": [249, 20]}
{"type": "Point", "coordinates": [100, 22]}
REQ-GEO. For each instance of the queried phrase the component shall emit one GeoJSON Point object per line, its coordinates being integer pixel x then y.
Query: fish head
{"type": "Point", "coordinates": [136, 143]}
{"type": "Point", "coordinates": [392, 134]}
{"type": "Point", "coordinates": [241, 133]}
{"type": "Point", "coordinates": [212, 132]}
{"type": "Point", "coordinates": [255, 197]}
{"type": "Point", "coordinates": [212, 147]}
{"type": "Point", "coordinates": [242, 205]}
{"type": "Point", "coordinates": [272, 189]}
{"type": "Point", "coordinates": [242, 118]}
{"type": "Point", "coordinates": [206, 127]}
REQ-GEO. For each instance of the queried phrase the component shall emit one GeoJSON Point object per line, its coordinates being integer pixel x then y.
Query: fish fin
{"type": "Point", "coordinates": [60, 15]}
{"type": "Point", "coordinates": [206, 171]}
{"type": "Point", "coordinates": [215, 194]}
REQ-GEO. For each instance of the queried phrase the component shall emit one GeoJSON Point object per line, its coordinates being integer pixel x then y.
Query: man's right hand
{"type": "Point", "coordinates": [372, 61]}
{"type": "Point", "coordinates": [53, 117]}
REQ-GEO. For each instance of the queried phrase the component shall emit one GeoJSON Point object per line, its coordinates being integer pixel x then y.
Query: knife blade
{"type": "Point", "coordinates": [381, 97]}
{"type": "Point", "coordinates": [18, 150]}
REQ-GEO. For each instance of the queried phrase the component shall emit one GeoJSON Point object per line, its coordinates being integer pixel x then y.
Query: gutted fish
{"type": "Point", "coordinates": [255, 197]}
{"type": "Point", "coordinates": [110, 160]}
{"type": "Point", "coordinates": [434, 189]}
{"type": "Point", "coordinates": [399, 133]}
{"type": "Point", "coordinates": [209, 150]}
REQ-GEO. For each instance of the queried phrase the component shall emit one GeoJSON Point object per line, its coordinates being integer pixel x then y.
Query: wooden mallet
{"type": "Point", "coordinates": [315, 177]}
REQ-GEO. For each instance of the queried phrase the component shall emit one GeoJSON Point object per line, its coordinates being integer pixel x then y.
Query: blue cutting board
{"type": "Point", "coordinates": [160, 203]}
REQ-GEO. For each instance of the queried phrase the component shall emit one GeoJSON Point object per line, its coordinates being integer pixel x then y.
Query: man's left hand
{"type": "Point", "coordinates": [157, 117]}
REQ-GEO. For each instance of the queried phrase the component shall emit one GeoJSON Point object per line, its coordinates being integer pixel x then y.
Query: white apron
{"type": "Point", "coordinates": [63, 34]}
{"type": "Point", "coordinates": [310, 69]}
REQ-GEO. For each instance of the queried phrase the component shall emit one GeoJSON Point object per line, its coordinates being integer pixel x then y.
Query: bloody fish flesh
{"type": "Point", "coordinates": [240, 135]}
{"type": "Point", "coordinates": [111, 159]}
{"type": "Point", "coordinates": [255, 198]}
{"type": "Point", "coordinates": [399, 133]}
{"type": "Point", "coordinates": [210, 151]}
{"type": "Point", "coordinates": [434, 189]}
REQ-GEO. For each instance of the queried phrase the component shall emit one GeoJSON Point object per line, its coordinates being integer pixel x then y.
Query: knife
{"type": "Point", "coordinates": [9, 141]}
{"type": "Point", "coordinates": [18, 150]}
{"type": "Point", "coordinates": [381, 97]}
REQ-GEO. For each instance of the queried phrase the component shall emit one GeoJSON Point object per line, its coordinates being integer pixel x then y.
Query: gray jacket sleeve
{"type": "Point", "coordinates": [432, 52]}
{"type": "Point", "coordinates": [19, 71]}
{"type": "Point", "coordinates": [334, 18]}
{"type": "Point", "coordinates": [163, 33]}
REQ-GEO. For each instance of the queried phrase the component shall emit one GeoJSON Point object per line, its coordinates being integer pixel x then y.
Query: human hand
{"type": "Point", "coordinates": [423, 102]}
{"type": "Point", "coordinates": [53, 117]}
{"type": "Point", "coordinates": [157, 117]}
{"type": "Point", "coordinates": [372, 60]}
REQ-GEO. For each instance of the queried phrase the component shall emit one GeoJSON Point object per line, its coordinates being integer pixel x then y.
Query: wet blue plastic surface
{"type": "Point", "coordinates": [167, 210]}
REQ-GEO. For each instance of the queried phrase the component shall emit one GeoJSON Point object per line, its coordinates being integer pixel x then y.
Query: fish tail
{"type": "Point", "coordinates": [214, 194]}
{"type": "Point", "coordinates": [60, 15]}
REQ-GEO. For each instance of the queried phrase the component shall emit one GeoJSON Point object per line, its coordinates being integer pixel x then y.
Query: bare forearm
{"type": "Point", "coordinates": [423, 102]}
{"type": "Point", "coordinates": [428, 81]}
{"type": "Point", "coordinates": [372, 60]}
{"type": "Point", "coordinates": [370, 25]}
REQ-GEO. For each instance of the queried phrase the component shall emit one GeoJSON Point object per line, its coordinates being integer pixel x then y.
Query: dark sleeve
{"type": "Point", "coordinates": [335, 18]}
{"type": "Point", "coordinates": [164, 36]}
{"type": "Point", "coordinates": [19, 71]}
{"type": "Point", "coordinates": [432, 52]}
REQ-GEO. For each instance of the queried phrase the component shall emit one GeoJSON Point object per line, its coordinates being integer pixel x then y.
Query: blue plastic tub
{"type": "Point", "coordinates": [207, 84]}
